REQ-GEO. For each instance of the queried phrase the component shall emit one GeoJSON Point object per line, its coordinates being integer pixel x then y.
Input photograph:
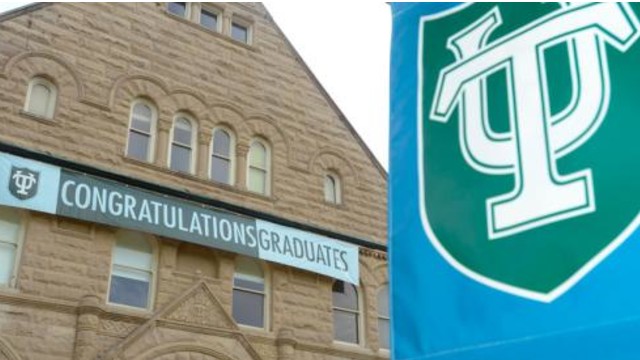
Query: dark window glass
{"type": "Point", "coordinates": [138, 146]}
{"type": "Point", "coordinates": [178, 8]}
{"type": "Point", "coordinates": [129, 292]}
{"type": "Point", "coordinates": [345, 296]}
{"type": "Point", "coordinates": [221, 157]}
{"type": "Point", "coordinates": [181, 158]}
{"type": "Point", "coordinates": [248, 293]}
{"type": "Point", "coordinates": [345, 326]}
{"type": "Point", "coordinates": [239, 32]}
{"type": "Point", "coordinates": [221, 143]}
{"type": "Point", "coordinates": [220, 170]}
{"type": "Point", "coordinates": [345, 312]}
{"type": "Point", "coordinates": [209, 19]}
{"type": "Point", "coordinates": [248, 284]}
{"type": "Point", "coordinates": [248, 308]}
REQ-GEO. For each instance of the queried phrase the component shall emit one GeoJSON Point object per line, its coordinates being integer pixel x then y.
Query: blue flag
{"type": "Point", "coordinates": [515, 181]}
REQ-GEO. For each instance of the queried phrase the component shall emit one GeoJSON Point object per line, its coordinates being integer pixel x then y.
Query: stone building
{"type": "Point", "coordinates": [176, 184]}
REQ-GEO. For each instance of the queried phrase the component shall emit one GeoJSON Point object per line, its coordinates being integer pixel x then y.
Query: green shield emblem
{"type": "Point", "coordinates": [528, 122]}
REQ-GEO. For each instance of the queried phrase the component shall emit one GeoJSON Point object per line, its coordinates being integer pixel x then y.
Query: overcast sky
{"type": "Point", "coordinates": [346, 45]}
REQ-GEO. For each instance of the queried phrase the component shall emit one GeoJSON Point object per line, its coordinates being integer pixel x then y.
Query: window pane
{"type": "Point", "coordinates": [345, 326]}
{"type": "Point", "coordinates": [138, 146]}
{"type": "Point", "coordinates": [383, 301]}
{"type": "Point", "coordinates": [141, 118]}
{"type": "Point", "coordinates": [239, 282]}
{"type": "Point", "coordinates": [258, 156]}
{"type": "Point", "coordinates": [180, 158]}
{"type": "Point", "coordinates": [248, 308]}
{"type": "Point", "coordinates": [179, 9]}
{"type": "Point", "coordinates": [182, 132]}
{"type": "Point", "coordinates": [7, 258]}
{"type": "Point", "coordinates": [208, 19]}
{"type": "Point", "coordinates": [239, 32]}
{"type": "Point", "coordinates": [222, 143]}
{"type": "Point", "coordinates": [329, 189]}
{"type": "Point", "coordinates": [383, 333]}
{"type": "Point", "coordinates": [345, 295]}
{"type": "Point", "coordinates": [39, 99]}
{"type": "Point", "coordinates": [220, 170]}
{"type": "Point", "coordinates": [133, 250]}
{"type": "Point", "coordinates": [9, 225]}
{"type": "Point", "coordinates": [127, 291]}
{"type": "Point", "coordinates": [257, 181]}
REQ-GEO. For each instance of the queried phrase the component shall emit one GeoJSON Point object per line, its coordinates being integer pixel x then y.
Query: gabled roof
{"type": "Point", "coordinates": [36, 6]}
{"type": "Point", "coordinates": [324, 93]}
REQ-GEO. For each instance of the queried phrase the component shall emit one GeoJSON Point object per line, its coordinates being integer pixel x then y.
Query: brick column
{"type": "Point", "coordinates": [86, 329]}
{"type": "Point", "coordinates": [202, 162]}
{"type": "Point", "coordinates": [241, 166]}
{"type": "Point", "coordinates": [286, 344]}
{"type": "Point", "coordinates": [162, 144]}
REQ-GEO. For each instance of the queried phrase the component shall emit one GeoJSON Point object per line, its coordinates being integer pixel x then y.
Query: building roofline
{"type": "Point", "coordinates": [328, 97]}
{"type": "Point", "coordinates": [25, 9]}
{"type": "Point", "coordinates": [166, 190]}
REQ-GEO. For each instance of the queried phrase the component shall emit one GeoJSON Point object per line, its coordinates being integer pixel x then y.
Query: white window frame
{"type": "Point", "coordinates": [153, 273]}
{"type": "Point", "coordinates": [244, 23]}
{"type": "Point", "coordinates": [359, 313]}
{"type": "Point", "coordinates": [267, 170]}
{"type": "Point", "coordinates": [211, 9]}
{"type": "Point", "coordinates": [13, 281]}
{"type": "Point", "coordinates": [53, 97]}
{"type": "Point", "coordinates": [152, 135]}
{"type": "Point", "coordinates": [232, 153]}
{"type": "Point", "coordinates": [267, 294]}
{"type": "Point", "coordinates": [194, 141]}
{"type": "Point", "coordinates": [383, 317]}
{"type": "Point", "coordinates": [337, 188]}
{"type": "Point", "coordinates": [187, 11]}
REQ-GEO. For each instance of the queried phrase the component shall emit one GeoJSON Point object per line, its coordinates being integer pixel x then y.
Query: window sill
{"type": "Point", "coordinates": [42, 119]}
{"type": "Point", "coordinates": [253, 330]}
{"type": "Point", "coordinates": [218, 34]}
{"type": "Point", "coordinates": [128, 310]}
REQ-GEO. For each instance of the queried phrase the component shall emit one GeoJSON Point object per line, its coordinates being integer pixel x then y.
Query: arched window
{"type": "Point", "coordinates": [10, 234]}
{"type": "Point", "coordinates": [132, 270]}
{"type": "Point", "coordinates": [346, 312]}
{"type": "Point", "coordinates": [41, 98]}
{"type": "Point", "coordinates": [332, 189]}
{"type": "Point", "coordinates": [383, 316]}
{"type": "Point", "coordinates": [142, 128]}
{"type": "Point", "coordinates": [249, 293]}
{"type": "Point", "coordinates": [259, 164]}
{"type": "Point", "coordinates": [183, 140]}
{"type": "Point", "coordinates": [222, 156]}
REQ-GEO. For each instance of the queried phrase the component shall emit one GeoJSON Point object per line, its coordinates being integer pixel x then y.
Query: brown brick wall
{"type": "Point", "coordinates": [101, 57]}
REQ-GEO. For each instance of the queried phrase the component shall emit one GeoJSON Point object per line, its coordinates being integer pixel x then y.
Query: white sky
{"type": "Point", "coordinates": [346, 45]}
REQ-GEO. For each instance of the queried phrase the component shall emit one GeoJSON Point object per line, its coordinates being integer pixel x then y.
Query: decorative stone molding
{"type": "Point", "coordinates": [33, 63]}
{"type": "Point", "coordinates": [197, 311]}
{"type": "Point", "coordinates": [380, 255]}
{"type": "Point", "coordinates": [327, 159]}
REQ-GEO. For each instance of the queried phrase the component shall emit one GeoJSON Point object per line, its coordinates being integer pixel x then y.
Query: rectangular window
{"type": "Point", "coordinates": [209, 19]}
{"type": "Point", "coordinates": [178, 8]}
{"type": "Point", "coordinates": [240, 32]}
{"type": "Point", "coordinates": [129, 287]}
{"type": "Point", "coordinates": [131, 271]}
{"type": "Point", "coordinates": [9, 238]}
